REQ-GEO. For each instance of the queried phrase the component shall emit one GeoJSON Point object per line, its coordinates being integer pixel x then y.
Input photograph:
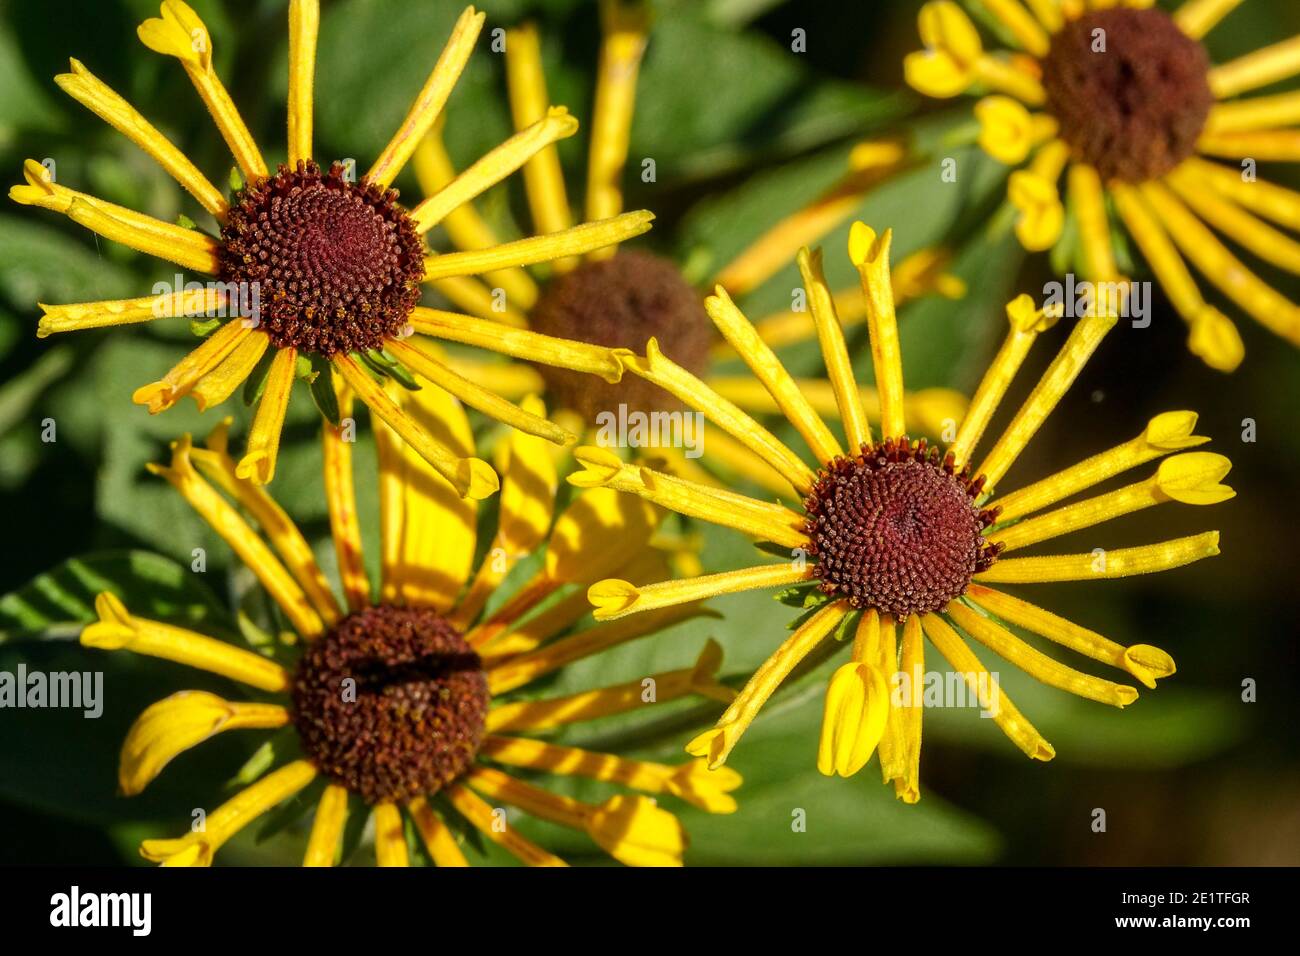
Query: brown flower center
{"type": "Point", "coordinates": [622, 302]}
{"type": "Point", "coordinates": [1131, 91]}
{"type": "Point", "coordinates": [337, 265]}
{"type": "Point", "coordinates": [896, 529]}
{"type": "Point", "coordinates": [390, 703]}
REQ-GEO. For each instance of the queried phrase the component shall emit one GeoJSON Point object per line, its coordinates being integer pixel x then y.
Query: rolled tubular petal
{"type": "Point", "coordinates": [1060, 375]}
{"type": "Point", "coordinates": [495, 166]}
{"type": "Point", "coordinates": [327, 827]}
{"type": "Point", "coordinates": [716, 744]}
{"type": "Point", "coordinates": [991, 698]}
{"type": "Point", "coordinates": [217, 466]}
{"type": "Point", "coordinates": [613, 598]}
{"type": "Point", "coordinates": [437, 836]}
{"type": "Point", "coordinates": [1038, 665]}
{"type": "Point", "coordinates": [390, 836]}
{"type": "Point", "coordinates": [767, 368]}
{"type": "Point", "coordinates": [88, 90]}
{"type": "Point", "coordinates": [226, 521]}
{"type": "Point", "coordinates": [180, 33]}
{"type": "Point", "coordinates": [431, 99]}
{"type": "Point", "coordinates": [870, 254]}
{"type": "Point", "coordinates": [1100, 563]}
{"type": "Point", "coordinates": [475, 396]}
{"type": "Point", "coordinates": [693, 782]}
{"type": "Point", "coordinates": [1165, 433]}
{"type": "Point", "coordinates": [543, 175]}
{"type": "Point", "coordinates": [220, 383]}
{"type": "Point", "coordinates": [661, 370]}
{"type": "Point", "coordinates": [550, 712]}
{"type": "Point", "coordinates": [633, 830]}
{"type": "Point", "coordinates": [573, 241]}
{"type": "Point", "coordinates": [1196, 18]}
{"type": "Point", "coordinates": [834, 353]}
{"type": "Point", "coordinates": [767, 522]}
{"type": "Point", "coordinates": [1192, 478]}
{"type": "Point", "coordinates": [1146, 663]}
{"type": "Point", "coordinates": [341, 501]}
{"type": "Point", "coordinates": [471, 477]}
{"type": "Point", "coordinates": [908, 786]}
{"type": "Point", "coordinates": [197, 847]}
{"type": "Point", "coordinates": [304, 24]}
{"type": "Point", "coordinates": [1258, 68]}
{"type": "Point", "coordinates": [1212, 258]}
{"type": "Point", "coordinates": [118, 630]}
{"type": "Point", "coordinates": [519, 343]}
{"type": "Point", "coordinates": [491, 822]}
{"type": "Point", "coordinates": [169, 243]}
{"type": "Point", "coordinates": [522, 669]}
{"type": "Point", "coordinates": [258, 463]}
{"type": "Point", "coordinates": [625, 27]}
{"type": "Point", "coordinates": [467, 229]}
{"type": "Point", "coordinates": [1027, 321]}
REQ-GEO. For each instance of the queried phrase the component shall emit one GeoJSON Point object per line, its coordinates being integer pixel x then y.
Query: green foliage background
{"type": "Point", "coordinates": [742, 131]}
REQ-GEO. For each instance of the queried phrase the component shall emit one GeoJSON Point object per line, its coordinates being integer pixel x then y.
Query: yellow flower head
{"type": "Point", "coordinates": [1123, 100]}
{"type": "Point", "coordinates": [404, 698]}
{"type": "Point", "coordinates": [319, 273]}
{"type": "Point", "coordinates": [895, 541]}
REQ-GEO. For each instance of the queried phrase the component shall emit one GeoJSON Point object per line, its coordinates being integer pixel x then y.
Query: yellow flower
{"type": "Point", "coordinates": [405, 699]}
{"type": "Point", "coordinates": [908, 539]}
{"type": "Point", "coordinates": [1122, 100]}
{"type": "Point", "coordinates": [309, 264]}
{"type": "Point", "coordinates": [621, 300]}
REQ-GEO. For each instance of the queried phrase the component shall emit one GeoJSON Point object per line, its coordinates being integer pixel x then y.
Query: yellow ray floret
{"type": "Point", "coordinates": [625, 27]}
{"type": "Point", "coordinates": [495, 166]}
{"type": "Point", "coordinates": [550, 712]}
{"type": "Point", "coordinates": [97, 315]}
{"type": "Point", "coordinates": [1060, 375]}
{"type": "Point", "coordinates": [633, 830]}
{"type": "Point", "coordinates": [716, 744]}
{"type": "Point", "coordinates": [471, 477]}
{"type": "Point", "coordinates": [830, 336]}
{"type": "Point", "coordinates": [1027, 322]}
{"type": "Point", "coordinates": [991, 698]}
{"type": "Point", "coordinates": [767, 368]}
{"type": "Point", "coordinates": [1191, 478]}
{"type": "Point", "coordinates": [88, 90]}
{"type": "Point", "coordinates": [304, 24]}
{"type": "Point", "coordinates": [1100, 563]}
{"type": "Point", "coordinates": [196, 848]}
{"type": "Point", "coordinates": [390, 836]}
{"type": "Point", "coordinates": [1009, 647]}
{"type": "Point", "coordinates": [118, 630]}
{"type": "Point", "coordinates": [870, 254]}
{"type": "Point", "coordinates": [431, 99]}
{"type": "Point", "coordinates": [175, 724]}
{"type": "Point", "coordinates": [327, 827]}
{"type": "Point", "coordinates": [543, 175]}
{"type": "Point", "coordinates": [658, 368]}
{"type": "Point", "coordinates": [1165, 433]}
{"type": "Point", "coordinates": [226, 521]}
{"type": "Point", "coordinates": [537, 249]}
{"type": "Point", "coordinates": [180, 33]}
{"type": "Point", "coordinates": [767, 522]}
{"type": "Point", "coordinates": [1146, 663]}
{"type": "Point", "coordinates": [438, 838]}
{"type": "Point", "coordinates": [613, 598]}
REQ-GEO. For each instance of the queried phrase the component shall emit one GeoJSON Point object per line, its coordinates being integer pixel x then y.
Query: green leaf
{"type": "Point", "coordinates": [322, 390]}
{"type": "Point", "coordinates": [56, 604]}
{"type": "Point", "coordinates": [255, 384]}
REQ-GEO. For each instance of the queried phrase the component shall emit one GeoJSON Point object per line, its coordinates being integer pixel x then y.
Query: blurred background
{"type": "Point", "coordinates": [743, 129]}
